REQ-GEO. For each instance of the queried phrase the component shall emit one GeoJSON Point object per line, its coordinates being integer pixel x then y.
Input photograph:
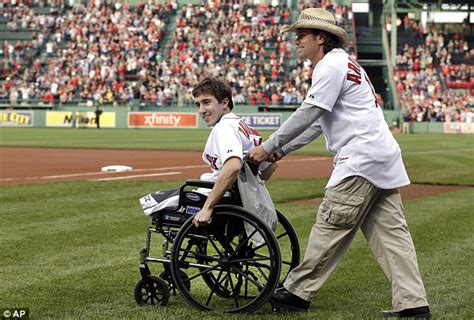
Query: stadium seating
{"type": "Point", "coordinates": [152, 54]}
{"type": "Point", "coordinates": [434, 73]}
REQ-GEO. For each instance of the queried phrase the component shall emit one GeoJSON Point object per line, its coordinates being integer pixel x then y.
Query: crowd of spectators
{"type": "Point", "coordinates": [423, 98]}
{"type": "Point", "coordinates": [238, 42]}
{"type": "Point", "coordinates": [434, 75]}
{"type": "Point", "coordinates": [89, 54]}
{"type": "Point", "coordinates": [112, 53]}
{"type": "Point", "coordinates": [23, 17]}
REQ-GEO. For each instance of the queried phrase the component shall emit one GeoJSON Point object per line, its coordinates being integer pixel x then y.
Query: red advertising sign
{"type": "Point", "coordinates": [162, 120]}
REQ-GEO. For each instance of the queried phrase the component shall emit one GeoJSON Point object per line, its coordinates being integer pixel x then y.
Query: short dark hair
{"type": "Point", "coordinates": [215, 87]}
{"type": "Point", "coordinates": [332, 41]}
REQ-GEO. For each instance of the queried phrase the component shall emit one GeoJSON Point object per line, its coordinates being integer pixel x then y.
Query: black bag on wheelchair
{"type": "Point", "coordinates": [174, 206]}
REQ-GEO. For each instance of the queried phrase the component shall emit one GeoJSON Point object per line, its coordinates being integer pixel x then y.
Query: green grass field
{"type": "Point", "coordinates": [69, 250]}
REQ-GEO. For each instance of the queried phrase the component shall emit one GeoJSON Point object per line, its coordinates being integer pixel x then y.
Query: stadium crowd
{"type": "Point", "coordinates": [112, 53]}
{"type": "Point", "coordinates": [434, 74]}
{"type": "Point", "coordinates": [89, 56]}
{"type": "Point", "coordinates": [89, 53]}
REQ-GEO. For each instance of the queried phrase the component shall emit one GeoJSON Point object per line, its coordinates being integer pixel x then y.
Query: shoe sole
{"type": "Point", "coordinates": [422, 316]}
{"type": "Point", "coordinates": [288, 307]}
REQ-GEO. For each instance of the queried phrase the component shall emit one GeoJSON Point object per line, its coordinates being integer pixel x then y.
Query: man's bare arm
{"type": "Point", "coordinates": [225, 180]}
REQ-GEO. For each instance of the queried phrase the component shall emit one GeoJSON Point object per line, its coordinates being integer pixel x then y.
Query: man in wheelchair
{"type": "Point", "coordinates": [220, 256]}
{"type": "Point", "coordinates": [229, 141]}
{"type": "Point", "coordinates": [226, 145]}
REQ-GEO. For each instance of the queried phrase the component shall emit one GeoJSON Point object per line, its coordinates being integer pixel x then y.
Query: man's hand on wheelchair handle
{"type": "Point", "coordinates": [258, 155]}
{"type": "Point", "coordinates": [203, 218]}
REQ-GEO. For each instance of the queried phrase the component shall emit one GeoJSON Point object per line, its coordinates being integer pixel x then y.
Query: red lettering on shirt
{"type": "Point", "coordinates": [212, 161]}
{"type": "Point", "coordinates": [248, 131]}
{"type": "Point", "coordinates": [354, 66]}
{"type": "Point", "coordinates": [353, 78]}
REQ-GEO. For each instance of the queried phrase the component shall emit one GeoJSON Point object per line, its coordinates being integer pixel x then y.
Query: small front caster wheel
{"type": "Point", "coordinates": [152, 291]}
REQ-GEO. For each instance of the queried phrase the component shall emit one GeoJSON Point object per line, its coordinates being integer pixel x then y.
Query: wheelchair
{"type": "Point", "coordinates": [218, 267]}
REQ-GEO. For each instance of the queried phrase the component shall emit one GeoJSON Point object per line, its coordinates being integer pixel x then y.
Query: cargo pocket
{"type": "Point", "coordinates": [342, 210]}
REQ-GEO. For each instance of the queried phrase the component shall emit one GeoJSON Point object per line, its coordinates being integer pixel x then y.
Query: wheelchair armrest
{"type": "Point", "coordinates": [232, 195]}
{"type": "Point", "coordinates": [198, 183]}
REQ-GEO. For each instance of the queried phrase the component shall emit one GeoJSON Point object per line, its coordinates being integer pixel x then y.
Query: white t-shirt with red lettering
{"type": "Point", "coordinates": [230, 137]}
{"type": "Point", "coordinates": [354, 126]}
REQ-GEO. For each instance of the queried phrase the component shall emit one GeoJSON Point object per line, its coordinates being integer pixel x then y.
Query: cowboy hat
{"type": "Point", "coordinates": [317, 18]}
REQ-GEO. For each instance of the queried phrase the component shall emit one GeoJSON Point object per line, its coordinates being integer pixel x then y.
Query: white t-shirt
{"type": "Point", "coordinates": [354, 128]}
{"type": "Point", "coordinates": [230, 137]}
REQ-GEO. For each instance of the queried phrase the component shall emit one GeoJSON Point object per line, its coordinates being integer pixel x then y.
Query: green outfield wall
{"type": "Point", "coordinates": [181, 117]}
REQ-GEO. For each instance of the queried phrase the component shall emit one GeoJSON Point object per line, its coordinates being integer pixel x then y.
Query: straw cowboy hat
{"type": "Point", "coordinates": [317, 18]}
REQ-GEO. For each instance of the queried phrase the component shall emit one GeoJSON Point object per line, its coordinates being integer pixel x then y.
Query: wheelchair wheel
{"type": "Point", "coordinates": [152, 291]}
{"type": "Point", "coordinates": [227, 271]}
{"type": "Point", "coordinates": [289, 250]}
{"type": "Point", "coordinates": [289, 245]}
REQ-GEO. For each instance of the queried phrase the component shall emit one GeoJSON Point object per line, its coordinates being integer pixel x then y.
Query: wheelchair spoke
{"type": "Point", "coordinates": [188, 247]}
{"type": "Point", "coordinates": [264, 275]}
{"type": "Point", "coordinates": [217, 284]}
{"type": "Point", "coordinates": [261, 246]}
{"type": "Point", "coordinates": [255, 282]}
{"type": "Point", "coordinates": [263, 258]}
{"type": "Point", "coordinates": [235, 294]}
{"type": "Point", "coordinates": [213, 243]}
{"type": "Point", "coordinates": [242, 242]}
{"type": "Point", "coordinates": [197, 255]}
{"type": "Point", "coordinates": [288, 263]}
{"type": "Point", "coordinates": [197, 275]}
{"type": "Point", "coordinates": [282, 235]}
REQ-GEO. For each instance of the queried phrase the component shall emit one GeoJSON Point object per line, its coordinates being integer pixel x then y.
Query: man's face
{"type": "Point", "coordinates": [211, 110]}
{"type": "Point", "coordinates": [309, 45]}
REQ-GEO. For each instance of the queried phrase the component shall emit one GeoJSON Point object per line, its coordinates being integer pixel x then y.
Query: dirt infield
{"type": "Point", "coordinates": [38, 165]}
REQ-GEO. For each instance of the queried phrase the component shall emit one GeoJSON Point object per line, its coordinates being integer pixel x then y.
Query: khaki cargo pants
{"type": "Point", "coordinates": [352, 204]}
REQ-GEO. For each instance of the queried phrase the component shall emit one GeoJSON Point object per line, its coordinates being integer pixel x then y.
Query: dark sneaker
{"type": "Point", "coordinates": [284, 298]}
{"type": "Point", "coordinates": [416, 313]}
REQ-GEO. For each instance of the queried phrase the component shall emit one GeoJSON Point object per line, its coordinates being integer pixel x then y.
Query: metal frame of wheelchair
{"type": "Point", "coordinates": [218, 267]}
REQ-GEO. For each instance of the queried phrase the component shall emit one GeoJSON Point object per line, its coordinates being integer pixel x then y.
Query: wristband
{"type": "Point", "coordinates": [282, 152]}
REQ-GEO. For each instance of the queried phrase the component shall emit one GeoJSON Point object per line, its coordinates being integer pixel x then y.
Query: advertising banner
{"type": "Point", "coordinates": [88, 120]}
{"type": "Point", "coordinates": [69, 119]}
{"type": "Point", "coordinates": [64, 119]}
{"type": "Point", "coordinates": [459, 127]}
{"type": "Point", "coordinates": [262, 120]}
{"type": "Point", "coordinates": [11, 118]}
{"type": "Point", "coordinates": [162, 120]}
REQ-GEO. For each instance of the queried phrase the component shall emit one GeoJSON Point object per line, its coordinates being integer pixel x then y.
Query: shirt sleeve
{"type": "Point", "coordinates": [296, 124]}
{"type": "Point", "coordinates": [327, 83]}
{"type": "Point", "coordinates": [303, 139]}
{"type": "Point", "coordinates": [228, 143]}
